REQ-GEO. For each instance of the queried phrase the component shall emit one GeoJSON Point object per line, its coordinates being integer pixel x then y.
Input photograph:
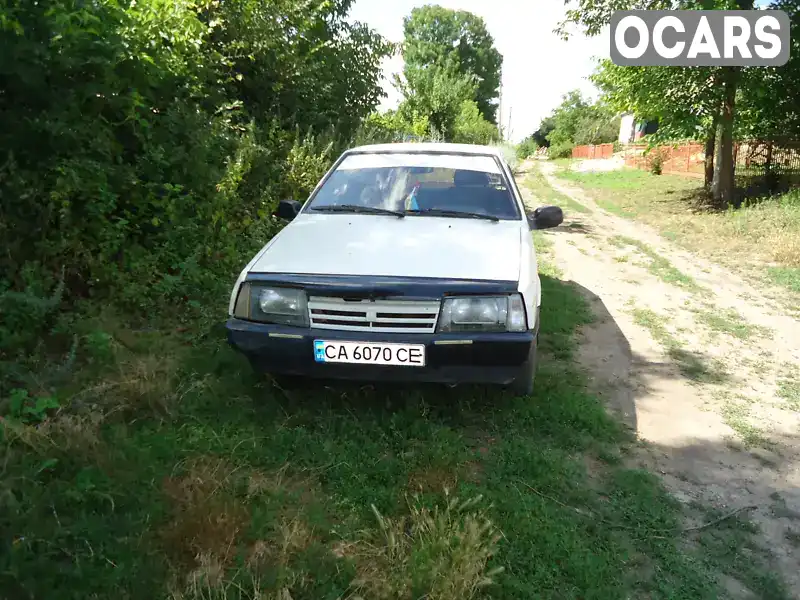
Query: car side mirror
{"type": "Point", "coordinates": [545, 217]}
{"type": "Point", "coordinates": [288, 209]}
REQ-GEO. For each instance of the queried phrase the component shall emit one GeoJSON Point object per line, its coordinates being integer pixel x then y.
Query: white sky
{"type": "Point", "coordinates": [538, 67]}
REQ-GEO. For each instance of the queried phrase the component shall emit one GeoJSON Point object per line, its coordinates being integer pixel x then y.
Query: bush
{"type": "Point", "coordinates": [656, 161]}
{"type": "Point", "coordinates": [527, 147]}
{"type": "Point", "coordinates": [561, 150]}
{"type": "Point", "coordinates": [145, 146]}
{"type": "Point", "coordinates": [471, 128]}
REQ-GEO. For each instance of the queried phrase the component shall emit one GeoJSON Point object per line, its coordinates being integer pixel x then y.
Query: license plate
{"type": "Point", "coordinates": [401, 355]}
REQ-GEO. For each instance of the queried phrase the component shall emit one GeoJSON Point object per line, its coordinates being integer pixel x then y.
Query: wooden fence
{"type": "Point", "coordinates": [593, 151]}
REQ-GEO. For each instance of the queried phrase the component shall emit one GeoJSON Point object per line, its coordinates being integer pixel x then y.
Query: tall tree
{"type": "Point", "coordinates": [454, 40]}
{"type": "Point", "coordinates": [593, 15]}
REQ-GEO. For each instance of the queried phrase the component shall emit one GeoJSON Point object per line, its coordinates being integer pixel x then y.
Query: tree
{"type": "Point", "coordinates": [685, 101]}
{"type": "Point", "coordinates": [576, 121]}
{"type": "Point", "coordinates": [458, 43]}
{"type": "Point", "coordinates": [545, 127]}
{"type": "Point", "coordinates": [593, 15]}
{"type": "Point", "coordinates": [438, 92]}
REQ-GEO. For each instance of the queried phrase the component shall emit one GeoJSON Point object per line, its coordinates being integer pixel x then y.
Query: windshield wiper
{"type": "Point", "coordinates": [356, 208]}
{"type": "Point", "coordinates": [443, 212]}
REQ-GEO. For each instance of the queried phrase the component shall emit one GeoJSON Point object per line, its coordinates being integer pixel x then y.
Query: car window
{"type": "Point", "coordinates": [417, 182]}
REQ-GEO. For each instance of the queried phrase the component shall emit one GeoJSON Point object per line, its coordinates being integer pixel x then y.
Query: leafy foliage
{"type": "Point", "coordinates": [471, 128]}
{"type": "Point", "coordinates": [145, 144]}
{"type": "Point", "coordinates": [458, 43]}
{"type": "Point", "coordinates": [576, 121]}
{"type": "Point", "coordinates": [527, 147]}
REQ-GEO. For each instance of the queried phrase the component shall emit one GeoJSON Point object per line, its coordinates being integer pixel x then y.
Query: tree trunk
{"type": "Point", "coordinates": [711, 146]}
{"type": "Point", "coordinates": [722, 186]}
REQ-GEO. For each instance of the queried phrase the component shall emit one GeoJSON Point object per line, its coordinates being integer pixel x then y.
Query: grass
{"type": "Point", "coordinates": [171, 470]}
{"type": "Point", "coordinates": [729, 546]}
{"type": "Point", "coordinates": [761, 236]}
{"type": "Point", "coordinates": [658, 265]}
{"type": "Point", "coordinates": [789, 390]}
{"type": "Point", "coordinates": [536, 183]}
{"type": "Point", "coordinates": [731, 323]}
{"type": "Point", "coordinates": [788, 277]}
{"type": "Point", "coordinates": [735, 415]}
{"type": "Point", "coordinates": [692, 365]}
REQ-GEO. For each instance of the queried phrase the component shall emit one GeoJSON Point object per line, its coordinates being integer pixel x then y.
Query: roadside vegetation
{"type": "Point", "coordinates": [170, 470]}
{"type": "Point", "coordinates": [761, 236]}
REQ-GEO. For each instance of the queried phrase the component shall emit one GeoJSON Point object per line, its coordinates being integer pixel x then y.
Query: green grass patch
{"type": "Point", "coordinates": [789, 390]}
{"type": "Point", "coordinates": [788, 277]}
{"type": "Point", "coordinates": [692, 365]}
{"type": "Point", "coordinates": [658, 265]}
{"type": "Point", "coordinates": [536, 183]}
{"type": "Point", "coordinates": [169, 468]}
{"type": "Point", "coordinates": [731, 323]}
{"type": "Point", "coordinates": [731, 547]}
{"type": "Point", "coordinates": [736, 416]}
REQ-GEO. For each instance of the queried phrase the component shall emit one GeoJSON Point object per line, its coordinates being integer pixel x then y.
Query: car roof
{"type": "Point", "coordinates": [425, 147]}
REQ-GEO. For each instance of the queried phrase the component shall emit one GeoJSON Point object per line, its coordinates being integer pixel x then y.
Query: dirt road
{"type": "Point", "coordinates": [693, 359]}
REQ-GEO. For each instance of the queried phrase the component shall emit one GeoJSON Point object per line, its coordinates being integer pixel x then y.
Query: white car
{"type": "Point", "coordinates": [408, 262]}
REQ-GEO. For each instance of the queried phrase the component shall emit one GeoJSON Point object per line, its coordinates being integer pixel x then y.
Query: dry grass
{"type": "Point", "coordinates": [443, 550]}
{"type": "Point", "coordinates": [150, 383]}
{"type": "Point", "coordinates": [207, 540]}
{"type": "Point", "coordinates": [207, 518]}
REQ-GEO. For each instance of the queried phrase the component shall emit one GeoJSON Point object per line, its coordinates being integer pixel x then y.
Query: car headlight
{"type": "Point", "coordinates": [283, 306]}
{"type": "Point", "coordinates": [483, 313]}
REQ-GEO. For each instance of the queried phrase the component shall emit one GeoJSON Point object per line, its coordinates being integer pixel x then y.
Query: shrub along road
{"type": "Point", "coordinates": [704, 368]}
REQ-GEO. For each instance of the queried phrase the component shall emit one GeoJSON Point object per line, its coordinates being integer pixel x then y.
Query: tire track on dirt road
{"type": "Point", "coordinates": [691, 358]}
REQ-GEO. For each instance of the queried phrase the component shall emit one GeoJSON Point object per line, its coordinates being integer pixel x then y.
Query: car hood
{"type": "Point", "coordinates": [346, 244]}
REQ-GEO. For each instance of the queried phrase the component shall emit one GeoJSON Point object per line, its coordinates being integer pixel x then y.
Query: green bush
{"type": "Point", "coordinates": [471, 128]}
{"type": "Point", "coordinates": [145, 145]}
{"type": "Point", "coordinates": [527, 147]}
{"type": "Point", "coordinates": [561, 150]}
{"type": "Point", "coordinates": [655, 161]}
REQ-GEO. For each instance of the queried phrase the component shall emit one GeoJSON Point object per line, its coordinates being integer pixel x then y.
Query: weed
{"type": "Point", "coordinates": [788, 277]}
{"type": "Point", "coordinates": [659, 266]}
{"type": "Point", "coordinates": [736, 415]}
{"type": "Point", "coordinates": [442, 550]}
{"type": "Point", "coordinates": [536, 183]}
{"type": "Point", "coordinates": [789, 390]}
{"type": "Point", "coordinates": [731, 323]}
{"type": "Point", "coordinates": [692, 365]}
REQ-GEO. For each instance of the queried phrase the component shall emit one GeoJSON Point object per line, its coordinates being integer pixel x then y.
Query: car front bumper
{"type": "Point", "coordinates": [449, 357]}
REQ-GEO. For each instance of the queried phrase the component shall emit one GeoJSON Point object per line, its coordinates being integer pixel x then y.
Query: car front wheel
{"type": "Point", "coordinates": [523, 384]}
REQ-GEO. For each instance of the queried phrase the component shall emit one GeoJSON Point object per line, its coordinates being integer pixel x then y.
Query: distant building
{"type": "Point", "coordinates": [627, 128]}
{"type": "Point", "coordinates": [631, 130]}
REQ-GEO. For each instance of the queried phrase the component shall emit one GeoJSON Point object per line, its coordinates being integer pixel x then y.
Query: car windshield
{"type": "Point", "coordinates": [418, 184]}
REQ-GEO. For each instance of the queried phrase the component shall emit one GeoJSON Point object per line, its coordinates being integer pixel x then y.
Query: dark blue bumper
{"type": "Point", "coordinates": [467, 358]}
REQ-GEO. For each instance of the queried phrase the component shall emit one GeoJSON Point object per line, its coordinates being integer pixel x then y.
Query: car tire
{"type": "Point", "coordinates": [523, 384]}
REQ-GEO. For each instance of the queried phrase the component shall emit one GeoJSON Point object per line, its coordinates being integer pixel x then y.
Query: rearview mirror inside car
{"type": "Point", "coordinates": [288, 209]}
{"type": "Point", "coordinates": [545, 217]}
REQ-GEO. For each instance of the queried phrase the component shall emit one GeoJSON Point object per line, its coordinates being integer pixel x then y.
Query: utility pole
{"type": "Point", "coordinates": [500, 108]}
{"type": "Point", "coordinates": [508, 131]}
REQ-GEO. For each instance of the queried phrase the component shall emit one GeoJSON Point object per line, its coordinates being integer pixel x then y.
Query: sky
{"type": "Point", "coordinates": [538, 67]}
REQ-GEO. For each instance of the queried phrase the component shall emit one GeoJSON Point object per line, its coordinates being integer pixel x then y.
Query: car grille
{"type": "Point", "coordinates": [384, 316]}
